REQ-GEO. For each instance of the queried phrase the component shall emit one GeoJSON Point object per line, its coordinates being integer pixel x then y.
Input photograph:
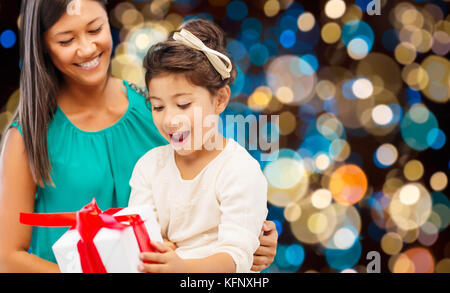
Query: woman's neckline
{"type": "Point", "coordinates": [123, 117]}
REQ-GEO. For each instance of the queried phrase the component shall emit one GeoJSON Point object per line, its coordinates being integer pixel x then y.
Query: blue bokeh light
{"type": "Point", "coordinates": [287, 38]}
{"type": "Point", "coordinates": [258, 54]}
{"type": "Point", "coordinates": [295, 255]}
{"type": "Point", "coordinates": [237, 10]}
{"type": "Point", "coordinates": [436, 138]}
{"type": "Point", "coordinates": [306, 112]}
{"type": "Point", "coordinates": [237, 50]}
{"type": "Point", "coordinates": [8, 39]}
{"type": "Point", "coordinates": [309, 64]}
{"type": "Point", "coordinates": [238, 84]}
{"type": "Point", "coordinates": [416, 125]}
{"type": "Point", "coordinates": [252, 27]}
{"type": "Point", "coordinates": [343, 259]}
{"type": "Point", "coordinates": [358, 29]}
{"type": "Point", "coordinates": [414, 96]}
{"type": "Point", "coordinates": [288, 22]}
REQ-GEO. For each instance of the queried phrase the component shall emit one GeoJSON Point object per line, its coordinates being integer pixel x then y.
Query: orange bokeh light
{"type": "Point", "coordinates": [414, 260]}
{"type": "Point", "coordinates": [348, 184]}
{"type": "Point", "coordinates": [422, 259]}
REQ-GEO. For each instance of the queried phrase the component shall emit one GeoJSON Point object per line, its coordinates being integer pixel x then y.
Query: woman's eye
{"type": "Point", "coordinates": [65, 43]}
{"type": "Point", "coordinates": [185, 106]}
{"type": "Point", "coordinates": [96, 31]}
{"type": "Point", "coordinates": [157, 108]}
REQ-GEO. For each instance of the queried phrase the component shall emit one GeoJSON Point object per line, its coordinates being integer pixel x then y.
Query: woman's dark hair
{"type": "Point", "coordinates": [39, 81]}
{"type": "Point", "coordinates": [173, 57]}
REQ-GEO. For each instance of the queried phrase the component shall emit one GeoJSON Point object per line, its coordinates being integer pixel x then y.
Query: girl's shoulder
{"type": "Point", "coordinates": [238, 153]}
{"type": "Point", "coordinates": [155, 158]}
{"type": "Point", "coordinates": [238, 161]}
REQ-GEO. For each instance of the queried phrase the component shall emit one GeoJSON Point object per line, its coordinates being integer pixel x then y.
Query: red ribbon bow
{"type": "Point", "coordinates": [88, 221]}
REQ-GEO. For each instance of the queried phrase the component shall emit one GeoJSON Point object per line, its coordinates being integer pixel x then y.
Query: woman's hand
{"type": "Point", "coordinates": [170, 244]}
{"type": "Point", "coordinates": [265, 253]}
{"type": "Point", "coordinates": [164, 261]}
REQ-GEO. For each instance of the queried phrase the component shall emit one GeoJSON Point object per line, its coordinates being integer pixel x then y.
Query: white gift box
{"type": "Point", "coordinates": [118, 249]}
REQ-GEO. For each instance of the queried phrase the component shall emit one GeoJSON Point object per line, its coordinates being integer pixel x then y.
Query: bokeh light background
{"type": "Point", "coordinates": [363, 105]}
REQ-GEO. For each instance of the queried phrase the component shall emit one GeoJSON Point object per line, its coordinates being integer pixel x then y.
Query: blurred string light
{"type": "Point", "coordinates": [321, 75]}
{"type": "Point", "coordinates": [306, 21]}
{"type": "Point", "coordinates": [335, 8]}
{"type": "Point", "coordinates": [292, 78]}
{"type": "Point", "coordinates": [271, 8]}
{"type": "Point", "coordinates": [385, 155]}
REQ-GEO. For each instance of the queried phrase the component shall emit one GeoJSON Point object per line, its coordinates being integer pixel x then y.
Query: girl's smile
{"type": "Point", "coordinates": [179, 138]}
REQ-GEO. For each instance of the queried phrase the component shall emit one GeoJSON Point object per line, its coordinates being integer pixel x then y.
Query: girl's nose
{"type": "Point", "coordinates": [175, 122]}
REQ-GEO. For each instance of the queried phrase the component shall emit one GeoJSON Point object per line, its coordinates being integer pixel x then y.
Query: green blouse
{"type": "Point", "coordinates": [92, 164]}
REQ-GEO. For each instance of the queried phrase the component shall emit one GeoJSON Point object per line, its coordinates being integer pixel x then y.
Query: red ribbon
{"type": "Point", "coordinates": [88, 221]}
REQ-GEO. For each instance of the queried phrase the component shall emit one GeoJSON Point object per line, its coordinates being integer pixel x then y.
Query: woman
{"type": "Point", "coordinates": [77, 134]}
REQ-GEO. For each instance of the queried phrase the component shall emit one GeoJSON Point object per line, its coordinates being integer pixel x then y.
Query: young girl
{"type": "Point", "coordinates": [208, 193]}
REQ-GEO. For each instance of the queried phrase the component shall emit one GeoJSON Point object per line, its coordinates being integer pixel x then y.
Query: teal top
{"type": "Point", "coordinates": [92, 164]}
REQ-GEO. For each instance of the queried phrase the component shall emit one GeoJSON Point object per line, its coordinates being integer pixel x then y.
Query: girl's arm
{"type": "Point", "coordinates": [167, 261]}
{"type": "Point", "coordinates": [17, 193]}
{"type": "Point", "coordinates": [217, 263]}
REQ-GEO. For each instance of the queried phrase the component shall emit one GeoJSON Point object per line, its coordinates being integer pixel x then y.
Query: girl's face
{"type": "Point", "coordinates": [185, 114]}
{"type": "Point", "coordinates": [80, 44]}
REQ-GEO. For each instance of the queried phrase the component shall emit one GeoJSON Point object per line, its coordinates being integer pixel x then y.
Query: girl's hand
{"type": "Point", "coordinates": [165, 261]}
{"type": "Point", "coordinates": [265, 253]}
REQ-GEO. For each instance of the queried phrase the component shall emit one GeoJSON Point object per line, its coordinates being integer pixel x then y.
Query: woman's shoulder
{"type": "Point", "coordinates": [136, 93]}
{"type": "Point", "coordinates": [15, 124]}
{"type": "Point", "coordinates": [140, 91]}
{"type": "Point", "coordinates": [138, 97]}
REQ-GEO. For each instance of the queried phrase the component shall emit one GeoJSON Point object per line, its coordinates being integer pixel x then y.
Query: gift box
{"type": "Point", "coordinates": [101, 242]}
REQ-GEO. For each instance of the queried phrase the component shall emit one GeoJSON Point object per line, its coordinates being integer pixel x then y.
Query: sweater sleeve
{"type": "Point", "coordinates": [242, 195]}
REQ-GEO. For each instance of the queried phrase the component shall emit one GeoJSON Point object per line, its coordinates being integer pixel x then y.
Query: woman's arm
{"type": "Point", "coordinates": [265, 254]}
{"type": "Point", "coordinates": [17, 191]}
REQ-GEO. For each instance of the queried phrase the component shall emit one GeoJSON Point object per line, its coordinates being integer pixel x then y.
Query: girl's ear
{"type": "Point", "coordinates": [222, 99]}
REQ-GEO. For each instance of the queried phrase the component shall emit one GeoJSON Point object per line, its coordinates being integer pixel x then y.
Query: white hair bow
{"type": "Point", "coordinates": [187, 38]}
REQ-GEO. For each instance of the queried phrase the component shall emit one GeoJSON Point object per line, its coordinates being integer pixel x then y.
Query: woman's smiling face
{"type": "Point", "coordinates": [80, 44]}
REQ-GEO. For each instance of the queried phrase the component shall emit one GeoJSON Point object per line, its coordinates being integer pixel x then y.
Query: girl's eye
{"type": "Point", "coordinates": [157, 108]}
{"type": "Point", "coordinates": [65, 43]}
{"type": "Point", "coordinates": [96, 31]}
{"type": "Point", "coordinates": [185, 106]}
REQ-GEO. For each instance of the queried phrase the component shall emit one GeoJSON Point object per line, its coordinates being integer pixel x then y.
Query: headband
{"type": "Point", "coordinates": [187, 38]}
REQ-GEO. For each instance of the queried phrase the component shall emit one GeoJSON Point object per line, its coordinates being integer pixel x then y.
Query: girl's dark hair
{"type": "Point", "coordinates": [39, 81]}
{"type": "Point", "coordinates": [173, 57]}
